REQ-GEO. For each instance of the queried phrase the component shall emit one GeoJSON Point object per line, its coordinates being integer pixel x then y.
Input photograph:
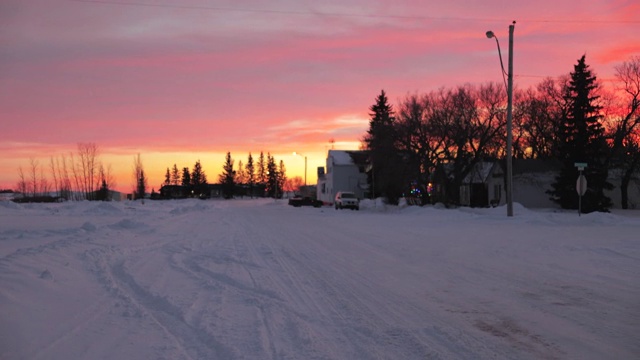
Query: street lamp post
{"type": "Point", "coordinates": [305, 166]}
{"type": "Point", "coordinates": [509, 155]}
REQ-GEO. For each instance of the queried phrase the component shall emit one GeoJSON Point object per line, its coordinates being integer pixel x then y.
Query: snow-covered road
{"type": "Point", "coordinates": [256, 279]}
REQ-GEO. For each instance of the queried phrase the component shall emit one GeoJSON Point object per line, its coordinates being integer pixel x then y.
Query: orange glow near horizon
{"type": "Point", "coordinates": [178, 82]}
{"type": "Point", "coordinates": [156, 163]}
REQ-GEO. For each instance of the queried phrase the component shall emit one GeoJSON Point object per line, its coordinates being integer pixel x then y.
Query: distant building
{"type": "Point", "coordinates": [345, 171]}
{"type": "Point", "coordinates": [483, 186]}
{"type": "Point", "coordinates": [116, 196]}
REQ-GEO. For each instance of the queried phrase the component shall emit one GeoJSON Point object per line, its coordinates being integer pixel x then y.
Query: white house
{"type": "Point", "coordinates": [345, 171]}
{"type": "Point", "coordinates": [483, 186]}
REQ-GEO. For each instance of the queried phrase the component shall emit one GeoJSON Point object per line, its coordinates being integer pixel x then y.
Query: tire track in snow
{"type": "Point", "coordinates": [271, 346]}
{"type": "Point", "coordinates": [193, 342]}
{"type": "Point", "coordinates": [285, 324]}
{"type": "Point", "coordinates": [215, 271]}
{"type": "Point", "coordinates": [350, 302]}
{"type": "Point", "coordinates": [108, 264]}
{"type": "Point", "coordinates": [319, 302]}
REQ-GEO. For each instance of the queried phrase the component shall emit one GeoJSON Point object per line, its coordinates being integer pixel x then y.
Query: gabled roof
{"type": "Point", "coordinates": [349, 157]}
{"type": "Point", "coordinates": [481, 172]}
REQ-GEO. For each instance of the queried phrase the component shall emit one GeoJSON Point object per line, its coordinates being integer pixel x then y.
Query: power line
{"type": "Point", "coordinates": [360, 15]}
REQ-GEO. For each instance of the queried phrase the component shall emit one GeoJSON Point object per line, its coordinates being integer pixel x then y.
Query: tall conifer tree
{"type": "Point", "coordinates": [199, 180]}
{"type": "Point", "coordinates": [582, 140]}
{"type": "Point", "coordinates": [385, 175]}
{"type": "Point", "coordinates": [272, 177]}
{"type": "Point", "coordinates": [240, 173]}
{"type": "Point", "coordinates": [251, 174]}
{"type": "Point", "coordinates": [175, 175]}
{"type": "Point", "coordinates": [261, 170]}
{"type": "Point", "coordinates": [167, 177]}
{"type": "Point", "coordinates": [186, 177]}
{"type": "Point", "coordinates": [198, 177]}
{"type": "Point", "coordinates": [227, 178]}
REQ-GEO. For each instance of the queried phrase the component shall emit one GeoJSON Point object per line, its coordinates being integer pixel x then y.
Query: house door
{"type": "Point", "coordinates": [479, 196]}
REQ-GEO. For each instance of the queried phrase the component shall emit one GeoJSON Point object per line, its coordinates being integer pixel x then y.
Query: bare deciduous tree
{"type": "Point", "coordinates": [66, 189]}
{"type": "Point", "coordinates": [54, 174]}
{"type": "Point", "coordinates": [294, 184]}
{"type": "Point", "coordinates": [88, 167]}
{"type": "Point", "coordinates": [625, 129]}
{"type": "Point", "coordinates": [22, 183]}
{"type": "Point", "coordinates": [33, 180]}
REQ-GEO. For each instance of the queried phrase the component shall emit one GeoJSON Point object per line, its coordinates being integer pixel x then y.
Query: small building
{"type": "Point", "coordinates": [345, 171]}
{"type": "Point", "coordinates": [483, 186]}
{"type": "Point", "coordinates": [174, 192]}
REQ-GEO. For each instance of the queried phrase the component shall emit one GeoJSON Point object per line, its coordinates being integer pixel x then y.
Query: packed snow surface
{"type": "Point", "coordinates": [257, 279]}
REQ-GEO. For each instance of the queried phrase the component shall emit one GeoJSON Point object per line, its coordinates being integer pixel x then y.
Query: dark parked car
{"type": "Point", "coordinates": [298, 201]}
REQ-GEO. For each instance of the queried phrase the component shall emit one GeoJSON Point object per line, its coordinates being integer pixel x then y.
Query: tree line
{"type": "Point", "coordinates": [572, 118]}
{"type": "Point", "coordinates": [264, 177]}
{"type": "Point", "coordinates": [83, 176]}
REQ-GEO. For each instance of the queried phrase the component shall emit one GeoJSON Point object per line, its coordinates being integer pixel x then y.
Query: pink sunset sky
{"type": "Point", "coordinates": [184, 80]}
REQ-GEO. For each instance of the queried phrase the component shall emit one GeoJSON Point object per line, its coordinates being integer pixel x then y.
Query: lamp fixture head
{"type": "Point", "coordinates": [490, 34]}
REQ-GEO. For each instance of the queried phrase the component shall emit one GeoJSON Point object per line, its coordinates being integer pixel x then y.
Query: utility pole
{"type": "Point", "coordinates": [509, 150]}
{"type": "Point", "coordinates": [510, 125]}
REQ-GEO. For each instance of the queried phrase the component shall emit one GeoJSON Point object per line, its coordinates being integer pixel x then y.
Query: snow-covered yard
{"type": "Point", "coordinates": [257, 279]}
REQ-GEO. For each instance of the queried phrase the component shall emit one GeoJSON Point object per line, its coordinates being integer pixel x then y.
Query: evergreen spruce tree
{"type": "Point", "coordinates": [167, 177]}
{"type": "Point", "coordinates": [186, 177]}
{"type": "Point", "coordinates": [141, 187]}
{"type": "Point", "coordinates": [261, 171]}
{"type": "Point", "coordinates": [103, 192]}
{"type": "Point", "coordinates": [272, 177]}
{"type": "Point", "coordinates": [199, 180]}
{"type": "Point", "coordinates": [250, 174]}
{"type": "Point", "coordinates": [227, 178]}
{"type": "Point", "coordinates": [240, 173]}
{"type": "Point", "coordinates": [385, 177]}
{"type": "Point", "coordinates": [582, 139]}
{"type": "Point", "coordinates": [175, 175]}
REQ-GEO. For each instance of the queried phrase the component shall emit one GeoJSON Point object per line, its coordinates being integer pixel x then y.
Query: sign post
{"type": "Point", "coordinates": [581, 185]}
